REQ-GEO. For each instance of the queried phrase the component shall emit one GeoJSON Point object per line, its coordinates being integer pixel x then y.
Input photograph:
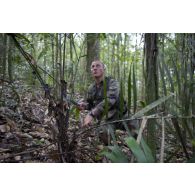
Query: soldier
{"type": "Point", "coordinates": [96, 101]}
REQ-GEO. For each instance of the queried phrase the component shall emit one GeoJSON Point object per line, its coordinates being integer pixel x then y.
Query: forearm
{"type": "Point", "coordinates": [99, 110]}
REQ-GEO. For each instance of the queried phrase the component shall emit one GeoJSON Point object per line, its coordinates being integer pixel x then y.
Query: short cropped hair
{"type": "Point", "coordinates": [104, 65]}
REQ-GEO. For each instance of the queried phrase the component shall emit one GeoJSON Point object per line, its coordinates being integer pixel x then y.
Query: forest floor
{"type": "Point", "coordinates": [29, 135]}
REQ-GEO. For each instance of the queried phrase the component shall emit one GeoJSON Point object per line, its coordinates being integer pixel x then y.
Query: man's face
{"type": "Point", "coordinates": [97, 69]}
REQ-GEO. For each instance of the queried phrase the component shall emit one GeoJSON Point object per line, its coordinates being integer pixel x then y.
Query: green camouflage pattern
{"type": "Point", "coordinates": [97, 102]}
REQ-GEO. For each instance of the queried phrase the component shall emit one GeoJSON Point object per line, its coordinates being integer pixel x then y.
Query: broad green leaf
{"type": "Point", "coordinates": [126, 127]}
{"type": "Point", "coordinates": [111, 132]}
{"type": "Point", "coordinates": [116, 155]}
{"type": "Point", "coordinates": [151, 106]}
{"type": "Point", "coordinates": [20, 36]}
{"type": "Point", "coordinates": [136, 149]}
{"type": "Point", "coordinates": [147, 151]}
{"type": "Point", "coordinates": [192, 160]}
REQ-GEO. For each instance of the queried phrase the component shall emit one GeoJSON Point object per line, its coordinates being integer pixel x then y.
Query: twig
{"type": "Point", "coordinates": [85, 129]}
{"type": "Point", "coordinates": [25, 152]}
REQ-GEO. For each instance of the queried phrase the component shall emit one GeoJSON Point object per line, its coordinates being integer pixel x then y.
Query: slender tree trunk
{"type": "Point", "coordinates": [34, 54]}
{"type": "Point", "coordinates": [64, 54]}
{"type": "Point", "coordinates": [57, 76]}
{"type": "Point", "coordinates": [193, 85]}
{"type": "Point", "coordinates": [124, 58]}
{"type": "Point", "coordinates": [72, 63]}
{"type": "Point", "coordinates": [113, 56]}
{"type": "Point", "coordinates": [4, 64]}
{"type": "Point", "coordinates": [1, 53]}
{"type": "Point", "coordinates": [10, 65]}
{"type": "Point", "coordinates": [52, 57]}
{"type": "Point", "coordinates": [151, 81]}
{"type": "Point", "coordinates": [108, 56]}
{"type": "Point", "coordinates": [143, 76]}
{"type": "Point", "coordinates": [5, 50]}
{"type": "Point", "coordinates": [60, 55]}
{"type": "Point", "coordinates": [93, 50]}
{"type": "Point", "coordinates": [118, 56]}
{"type": "Point", "coordinates": [45, 60]}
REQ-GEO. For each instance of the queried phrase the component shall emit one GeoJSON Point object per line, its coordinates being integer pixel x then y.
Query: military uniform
{"type": "Point", "coordinates": [106, 96]}
{"type": "Point", "coordinates": [106, 104]}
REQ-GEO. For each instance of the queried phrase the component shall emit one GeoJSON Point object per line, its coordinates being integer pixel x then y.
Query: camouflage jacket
{"type": "Point", "coordinates": [98, 104]}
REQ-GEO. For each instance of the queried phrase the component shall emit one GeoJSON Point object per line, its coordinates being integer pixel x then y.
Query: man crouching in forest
{"type": "Point", "coordinates": [98, 104]}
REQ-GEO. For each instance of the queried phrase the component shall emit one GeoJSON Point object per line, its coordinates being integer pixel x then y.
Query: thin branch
{"type": "Point", "coordinates": [25, 152]}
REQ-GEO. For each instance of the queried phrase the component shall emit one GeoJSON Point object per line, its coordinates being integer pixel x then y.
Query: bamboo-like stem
{"type": "Point", "coordinates": [139, 137]}
{"type": "Point", "coordinates": [162, 142]}
{"type": "Point", "coordinates": [143, 125]}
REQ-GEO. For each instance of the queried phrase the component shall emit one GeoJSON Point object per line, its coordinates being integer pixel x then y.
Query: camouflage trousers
{"type": "Point", "coordinates": [106, 133]}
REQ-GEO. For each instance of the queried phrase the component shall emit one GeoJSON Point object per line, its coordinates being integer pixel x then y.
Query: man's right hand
{"type": "Point", "coordinates": [88, 121]}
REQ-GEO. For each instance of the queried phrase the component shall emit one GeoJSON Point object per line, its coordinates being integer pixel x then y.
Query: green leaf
{"type": "Point", "coordinates": [136, 149]}
{"type": "Point", "coordinates": [116, 155]}
{"type": "Point", "coordinates": [151, 106]}
{"type": "Point", "coordinates": [142, 103]}
{"type": "Point", "coordinates": [192, 160]}
{"type": "Point", "coordinates": [147, 151]}
{"type": "Point", "coordinates": [23, 38]}
{"type": "Point", "coordinates": [111, 132]}
{"type": "Point", "coordinates": [20, 36]}
{"type": "Point", "coordinates": [193, 142]}
{"type": "Point", "coordinates": [126, 127]}
{"type": "Point", "coordinates": [77, 113]}
{"type": "Point", "coordinates": [42, 53]}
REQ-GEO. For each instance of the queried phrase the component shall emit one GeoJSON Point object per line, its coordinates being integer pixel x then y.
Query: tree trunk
{"type": "Point", "coordinates": [118, 56]}
{"type": "Point", "coordinates": [64, 54]}
{"type": "Point", "coordinates": [113, 56]}
{"type": "Point", "coordinates": [3, 55]}
{"type": "Point", "coordinates": [93, 50]}
{"type": "Point", "coordinates": [57, 89]}
{"type": "Point", "coordinates": [151, 81]}
{"type": "Point", "coordinates": [52, 57]}
{"type": "Point", "coordinates": [4, 65]}
{"type": "Point", "coordinates": [10, 65]}
{"type": "Point", "coordinates": [193, 87]}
